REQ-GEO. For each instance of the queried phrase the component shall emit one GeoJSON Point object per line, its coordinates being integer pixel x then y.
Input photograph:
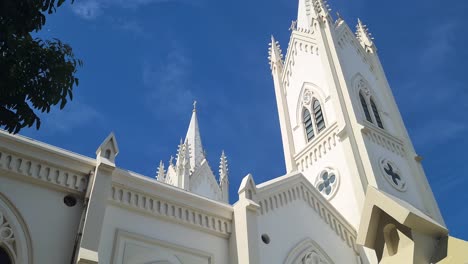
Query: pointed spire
{"type": "Point", "coordinates": [275, 54]}
{"type": "Point", "coordinates": [224, 177]}
{"type": "Point", "coordinates": [223, 168]}
{"type": "Point", "coordinates": [161, 173]}
{"type": "Point", "coordinates": [364, 37]}
{"type": "Point", "coordinates": [193, 140]}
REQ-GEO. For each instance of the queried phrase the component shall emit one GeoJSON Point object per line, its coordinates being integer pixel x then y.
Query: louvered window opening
{"type": "Point", "coordinates": [318, 116]}
{"type": "Point", "coordinates": [376, 114]}
{"type": "Point", "coordinates": [365, 107]}
{"type": "Point", "coordinates": [309, 127]}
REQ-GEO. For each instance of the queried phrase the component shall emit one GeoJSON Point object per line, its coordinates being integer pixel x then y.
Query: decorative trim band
{"type": "Point", "coordinates": [325, 142]}
{"type": "Point", "coordinates": [384, 140]}
{"type": "Point", "coordinates": [39, 171]}
{"type": "Point", "coordinates": [159, 207]}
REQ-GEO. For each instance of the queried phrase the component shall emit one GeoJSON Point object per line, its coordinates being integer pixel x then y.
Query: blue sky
{"type": "Point", "coordinates": [145, 61]}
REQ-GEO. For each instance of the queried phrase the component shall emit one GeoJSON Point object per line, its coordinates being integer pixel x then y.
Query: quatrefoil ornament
{"type": "Point", "coordinates": [393, 175]}
{"type": "Point", "coordinates": [327, 183]}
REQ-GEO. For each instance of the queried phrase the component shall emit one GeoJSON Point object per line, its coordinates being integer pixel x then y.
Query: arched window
{"type": "Point", "coordinates": [318, 115]}
{"type": "Point", "coordinates": [376, 114]}
{"type": "Point", "coordinates": [308, 126]}
{"type": "Point", "coordinates": [5, 257]}
{"type": "Point", "coordinates": [365, 107]}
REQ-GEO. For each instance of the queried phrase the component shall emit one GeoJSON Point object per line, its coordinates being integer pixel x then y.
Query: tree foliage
{"type": "Point", "coordinates": [35, 74]}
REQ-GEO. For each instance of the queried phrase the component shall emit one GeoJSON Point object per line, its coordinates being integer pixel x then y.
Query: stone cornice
{"type": "Point", "coordinates": [24, 146]}
{"type": "Point", "coordinates": [148, 196]}
{"type": "Point", "coordinates": [41, 172]}
{"type": "Point", "coordinates": [384, 139]}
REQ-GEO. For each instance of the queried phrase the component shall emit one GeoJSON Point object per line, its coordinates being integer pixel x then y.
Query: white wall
{"type": "Point", "coordinates": [153, 231]}
{"type": "Point", "coordinates": [52, 225]}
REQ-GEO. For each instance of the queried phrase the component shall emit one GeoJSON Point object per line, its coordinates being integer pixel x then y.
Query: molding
{"type": "Point", "coordinates": [306, 249]}
{"type": "Point", "coordinates": [14, 236]}
{"type": "Point", "coordinates": [317, 148]}
{"type": "Point", "coordinates": [122, 235]}
{"type": "Point", "coordinates": [384, 139]}
{"type": "Point", "coordinates": [41, 172]}
{"type": "Point", "coordinates": [302, 42]}
{"type": "Point", "coordinates": [162, 208]}
{"type": "Point", "coordinates": [288, 189]}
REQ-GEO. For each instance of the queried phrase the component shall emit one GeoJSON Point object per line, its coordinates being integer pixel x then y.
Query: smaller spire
{"type": "Point", "coordinates": [161, 173]}
{"type": "Point", "coordinates": [275, 54]}
{"type": "Point", "coordinates": [223, 168]}
{"type": "Point", "coordinates": [364, 37]}
{"type": "Point", "coordinates": [171, 161]}
{"type": "Point", "coordinates": [224, 177]}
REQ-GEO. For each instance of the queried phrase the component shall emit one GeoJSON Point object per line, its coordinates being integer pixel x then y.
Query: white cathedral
{"type": "Point", "coordinates": [354, 190]}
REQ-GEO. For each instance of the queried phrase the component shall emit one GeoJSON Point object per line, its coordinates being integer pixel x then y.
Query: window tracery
{"type": "Point", "coordinates": [313, 118]}
{"type": "Point", "coordinates": [327, 183]}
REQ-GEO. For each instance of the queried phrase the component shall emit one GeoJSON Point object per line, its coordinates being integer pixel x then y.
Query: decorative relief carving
{"type": "Point", "coordinates": [313, 258]}
{"type": "Point", "coordinates": [325, 143]}
{"type": "Point", "coordinates": [382, 139]}
{"type": "Point", "coordinates": [328, 182]}
{"type": "Point", "coordinates": [7, 237]}
{"type": "Point", "coordinates": [43, 172]}
{"type": "Point", "coordinates": [307, 97]}
{"type": "Point", "coordinates": [392, 174]}
{"type": "Point", "coordinates": [165, 209]}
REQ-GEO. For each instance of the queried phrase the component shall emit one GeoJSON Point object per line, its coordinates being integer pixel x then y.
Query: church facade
{"type": "Point", "coordinates": [354, 190]}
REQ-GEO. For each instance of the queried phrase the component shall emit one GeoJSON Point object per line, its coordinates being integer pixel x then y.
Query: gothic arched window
{"type": "Point", "coordinates": [318, 115]}
{"type": "Point", "coordinates": [308, 126]}
{"type": "Point", "coordinates": [365, 107]}
{"type": "Point", "coordinates": [5, 257]}
{"type": "Point", "coordinates": [376, 114]}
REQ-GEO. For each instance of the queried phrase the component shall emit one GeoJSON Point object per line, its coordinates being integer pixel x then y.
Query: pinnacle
{"type": "Point", "coordinates": [363, 35]}
{"type": "Point", "coordinates": [274, 52]}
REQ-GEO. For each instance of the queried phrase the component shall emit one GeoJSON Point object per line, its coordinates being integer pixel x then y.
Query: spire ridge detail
{"type": "Point", "coordinates": [364, 36]}
{"type": "Point", "coordinates": [275, 53]}
{"type": "Point", "coordinates": [161, 173]}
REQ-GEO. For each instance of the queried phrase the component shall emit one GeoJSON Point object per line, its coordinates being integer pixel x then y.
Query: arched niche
{"type": "Point", "coordinates": [14, 234]}
{"type": "Point", "coordinates": [311, 91]}
{"type": "Point", "coordinates": [308, 252]}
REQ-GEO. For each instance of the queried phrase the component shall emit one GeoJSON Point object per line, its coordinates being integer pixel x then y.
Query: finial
{"type": "Point", "coordinates": [364, 37]}
{"type": "Point", "coordinates": [293, 25]}
{"type": "Point", "coordinates": [171, 160]}
{"type": "Point", "coordinates": [195, 106]}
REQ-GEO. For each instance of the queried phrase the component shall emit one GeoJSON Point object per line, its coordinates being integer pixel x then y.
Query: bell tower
{"type": "Point", "coordinates": [339, 121]}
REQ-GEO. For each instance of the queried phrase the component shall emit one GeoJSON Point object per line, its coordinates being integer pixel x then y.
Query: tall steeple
{"type": "Point", "coordinates": [193, 139]}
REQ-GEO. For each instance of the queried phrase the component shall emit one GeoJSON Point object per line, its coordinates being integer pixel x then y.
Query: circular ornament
{"type": "Point", "coordinates": [327, 183]}
{"type": "Point", "coordinates": [307, 97]}
{"type": "Point", "coordinates": [392, 174]}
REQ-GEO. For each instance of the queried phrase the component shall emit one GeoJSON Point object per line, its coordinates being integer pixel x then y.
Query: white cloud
{"type": "Point", "coordinates": [167, 84]}
{"type": "Point", "coordinates": [74, 115]}
{"type": "Point", "coordinates": [439, 46]}
{"type": "Point", "coordinates": [89, 9]}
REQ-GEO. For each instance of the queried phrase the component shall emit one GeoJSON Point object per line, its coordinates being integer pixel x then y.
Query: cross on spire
{"type": "Point", "coordinates": [195, 106]}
